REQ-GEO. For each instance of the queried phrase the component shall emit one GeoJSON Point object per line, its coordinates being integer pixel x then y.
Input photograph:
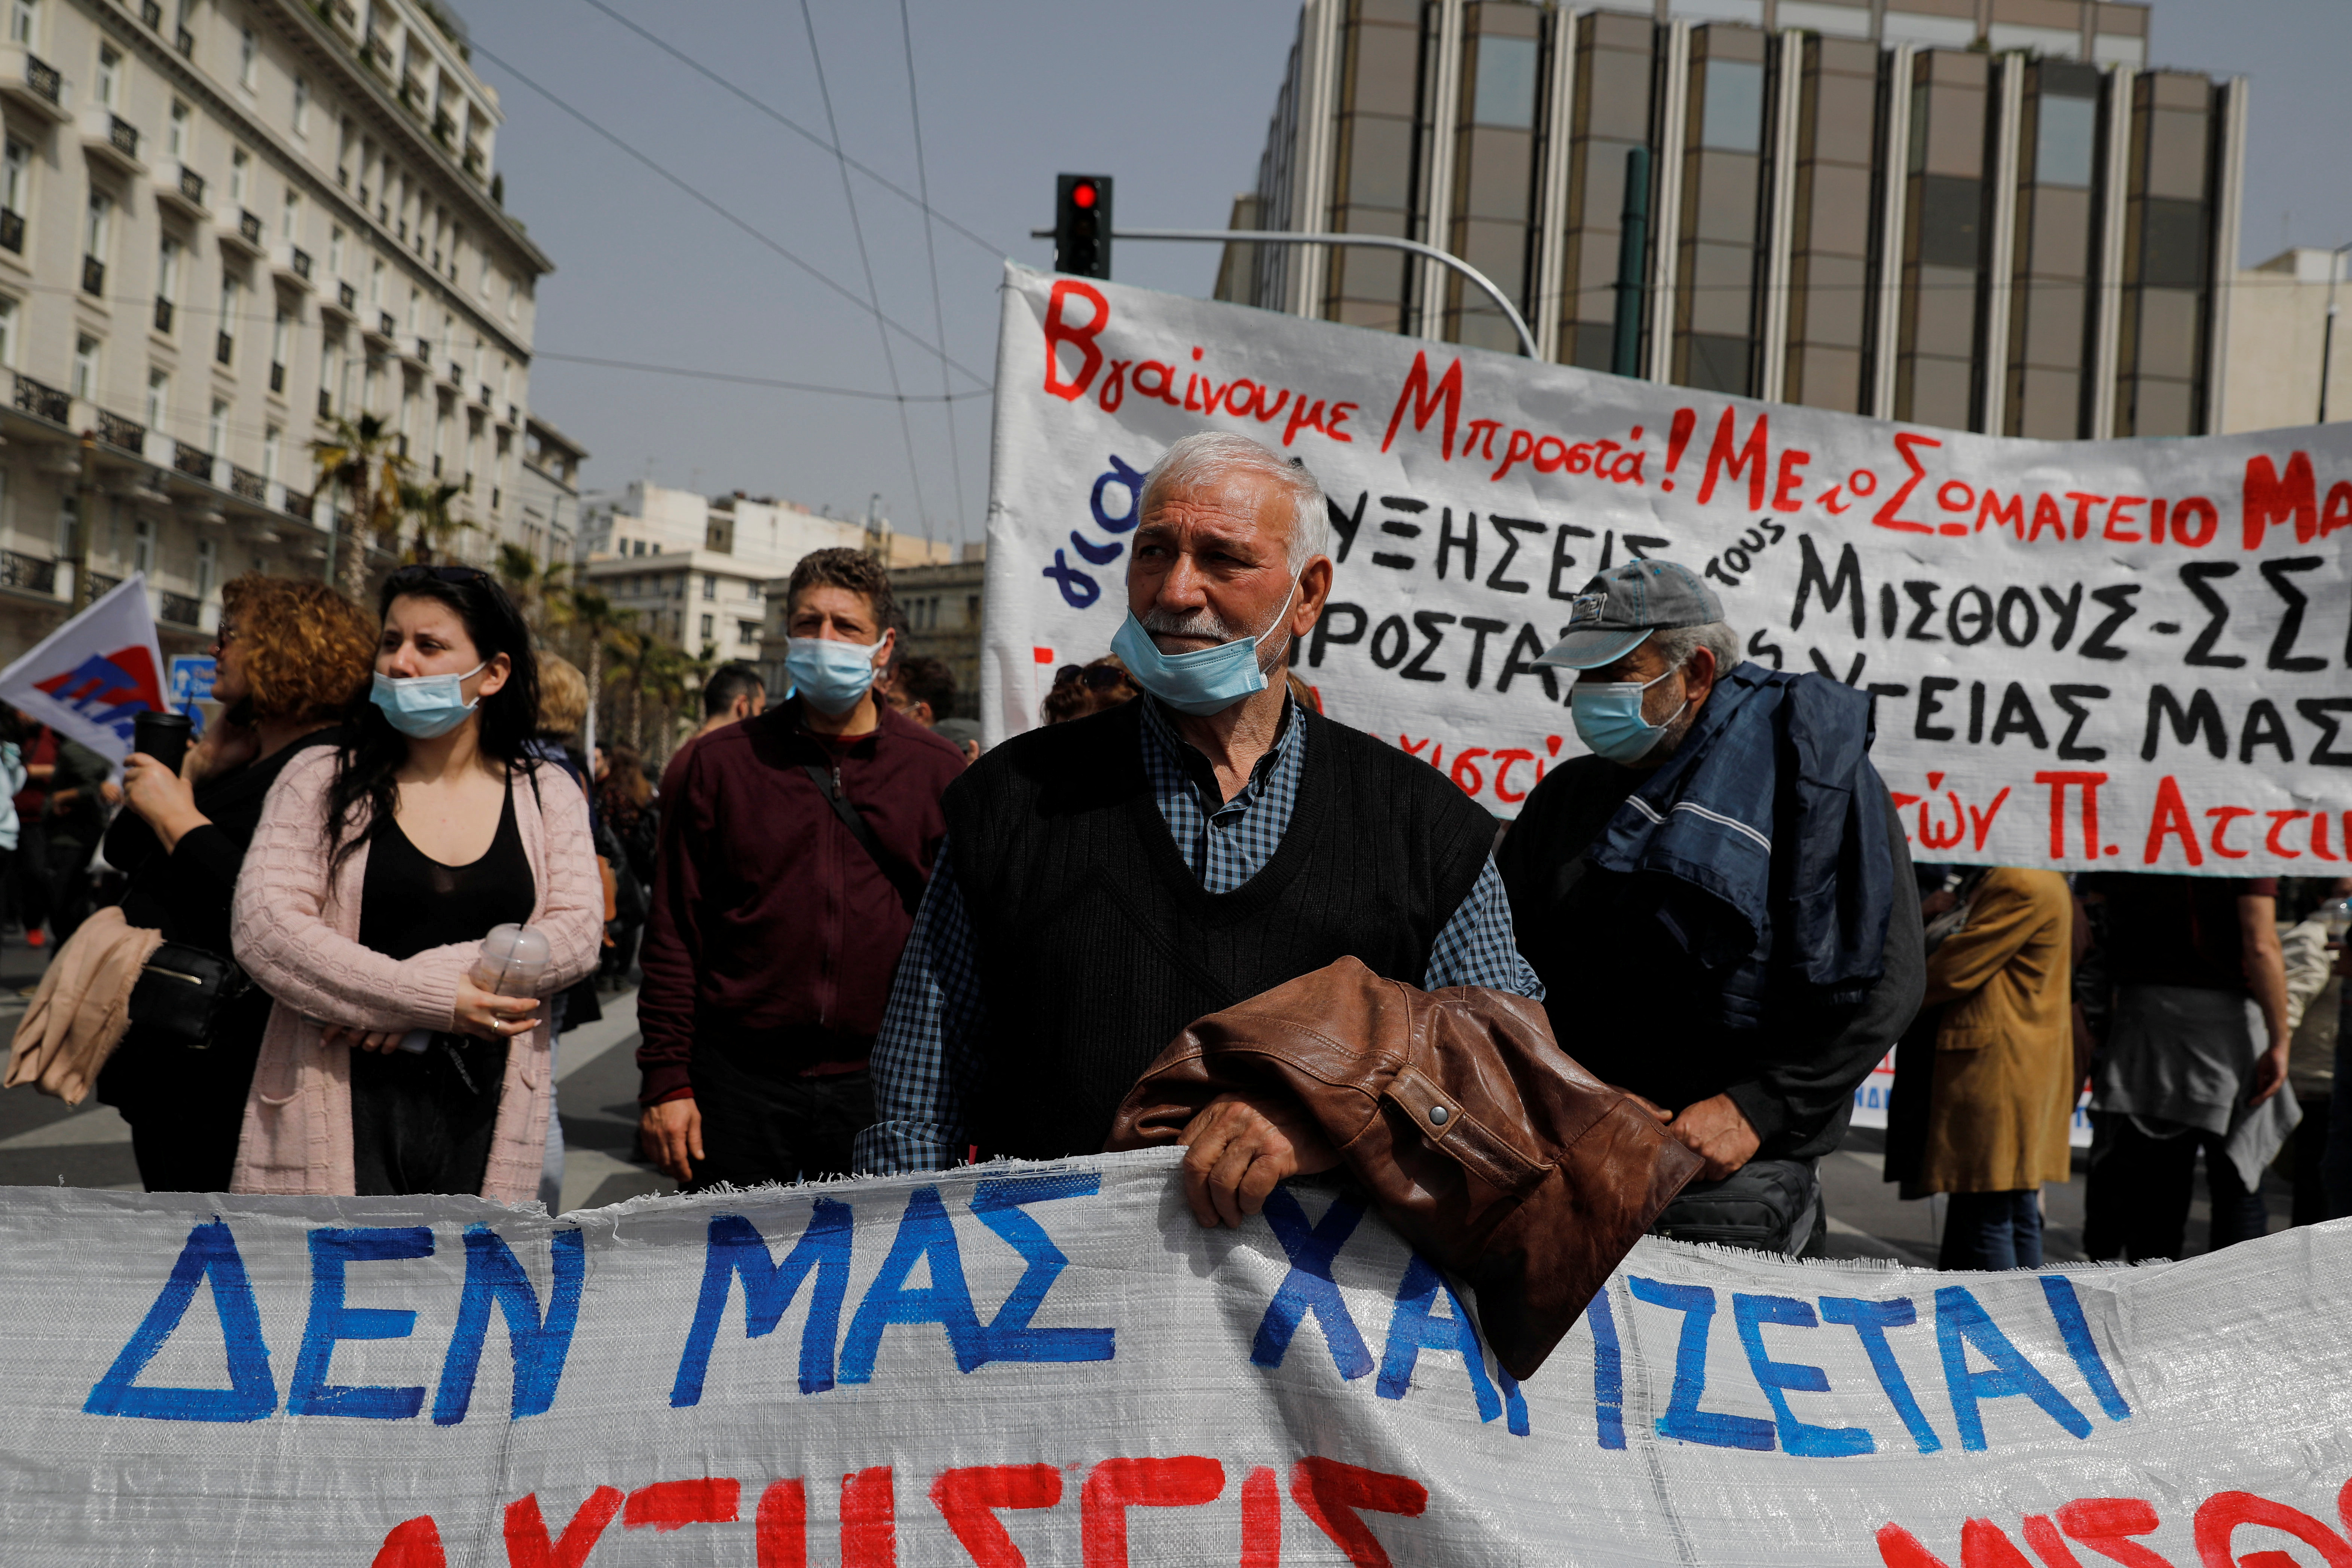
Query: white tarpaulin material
{"type": "Point", "coordinates": [2124, 655]}
{"type": "Point", "coordinates": [1053, 1364]}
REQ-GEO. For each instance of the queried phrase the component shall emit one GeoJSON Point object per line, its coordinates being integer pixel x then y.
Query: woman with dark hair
{"type": "Point", "coordinates": [377, 871]}
{"type": "Point", "coordinates": [290, 657]}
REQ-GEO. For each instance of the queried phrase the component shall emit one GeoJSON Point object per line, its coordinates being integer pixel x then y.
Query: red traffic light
{"type": "Point", "coordinates": [1083, 195]}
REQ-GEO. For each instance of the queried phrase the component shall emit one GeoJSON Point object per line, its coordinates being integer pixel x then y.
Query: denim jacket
{"type": "Point", "coordinates": [1763, 837]}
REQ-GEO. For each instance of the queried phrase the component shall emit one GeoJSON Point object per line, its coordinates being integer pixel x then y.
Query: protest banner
{"type": "Point", "coordinates": [2120, 655]}
{"type": "Point", "coordinates": [1053, 1364]}
{"type": "Point", "coordinates": [93, 675]}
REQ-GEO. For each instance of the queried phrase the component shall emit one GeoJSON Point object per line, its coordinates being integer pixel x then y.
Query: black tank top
{"type": "Point", "coordinates": [410, 902]}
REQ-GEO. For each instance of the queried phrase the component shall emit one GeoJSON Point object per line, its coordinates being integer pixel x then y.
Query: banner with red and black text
{"type": "Point", "coordinates": [2118, 655]}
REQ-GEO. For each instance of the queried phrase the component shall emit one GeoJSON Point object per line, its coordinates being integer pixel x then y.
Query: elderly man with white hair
{"type": "Point", "coordinates": [1107, 881]}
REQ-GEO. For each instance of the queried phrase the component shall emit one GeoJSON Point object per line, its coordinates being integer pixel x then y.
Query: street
{"type": "Point", "coordinates": [44, 1142]}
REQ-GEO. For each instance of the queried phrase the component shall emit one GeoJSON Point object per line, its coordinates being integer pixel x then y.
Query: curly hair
{"type": "Point", "coordinates": [844, 568]}
{"type": "Point", "coordinates": [309, 653]}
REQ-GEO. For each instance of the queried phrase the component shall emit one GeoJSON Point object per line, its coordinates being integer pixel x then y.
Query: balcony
{"type": "Point", "coordinates": [100, 584]}
{"type": "Point", "coordinates": [41, 400]}
{"type": "Point", "coordinates": [423, 349]}
{"type": "Point", "coordinates": [299, 506]}
{"type": "Point", "coordinates": [485, 398]}
{"type": "Point", "coordinates": [457, 373]}
{"type": "Point", "coordinates": [192, 461]}
{"type": "Point", "coordinates": [292, 265]}
{"type": "Point", "coordinates": [278, 378]}
{"type": "Point", "coordinates": [326, 403]}
{"type": "Point", "coordinates": [163, 315]}
{"type": "Point", "coordinates": [178, 609]}
{"type": "Point", "coordinates": [224, 349]}
{"type": "Point", "coordinates": [28, 573]}
{"type": "Point", "coordinates": [33, 85]}
{"type": "Point", "coordinates": [12, 231]}
{"type": "Point", "coordinates": [182, 190]}
{"type": "Point", "coordinates": [245, 234]}
{"type": "Point", "coordinates": [151, 12]}
{"type": "Point", "coordinates": [185, 42]}
{"type": "Point", "coordinates": [246, 485]}
{"type": "Point", "coordinates": [121, 432]}
{"type": "Point", "coordinates": [347, 297]}
{"type": "Point", "coordinates": [113, 141]}
{"type": "Point", "coordinates": [94, 276]}
{"type": "Point", "coordinates": [384, 327]}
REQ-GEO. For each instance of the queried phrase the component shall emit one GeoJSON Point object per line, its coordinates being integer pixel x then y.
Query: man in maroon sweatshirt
{"type": "Point", "coordinates": [793, 855]}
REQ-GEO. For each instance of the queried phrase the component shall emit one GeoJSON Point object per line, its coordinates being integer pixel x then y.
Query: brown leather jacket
{"type": "Point", "coordinates": [1485, 1147]}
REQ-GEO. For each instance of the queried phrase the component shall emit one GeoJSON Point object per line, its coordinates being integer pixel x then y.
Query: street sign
{"type": "Point", "coordinates": [191, 683]}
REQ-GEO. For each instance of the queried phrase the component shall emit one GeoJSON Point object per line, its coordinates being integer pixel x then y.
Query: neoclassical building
{"type": "Point", "coordinates": [223, 225]}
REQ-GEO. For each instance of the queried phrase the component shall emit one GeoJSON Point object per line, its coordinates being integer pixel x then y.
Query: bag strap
{"type": "Point", "coordinates": [901, 876]}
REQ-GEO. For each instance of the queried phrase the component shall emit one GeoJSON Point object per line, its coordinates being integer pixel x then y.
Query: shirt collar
{"type": "Point", "coordinates": [1160, 729]}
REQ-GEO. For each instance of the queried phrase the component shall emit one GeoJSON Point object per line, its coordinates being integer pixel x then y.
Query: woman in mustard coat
{"type": "Point", "coordinates": [2001, 1094]}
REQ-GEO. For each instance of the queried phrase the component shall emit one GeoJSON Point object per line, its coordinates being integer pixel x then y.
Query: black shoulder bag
{"type": "Point", "coordinates": [903, 877]}
{"type": "Point", "coordinates": [182, 993]}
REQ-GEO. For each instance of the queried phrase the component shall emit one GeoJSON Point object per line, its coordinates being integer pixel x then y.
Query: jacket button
{"type": "Point", "coordinates": [1437, 1114]}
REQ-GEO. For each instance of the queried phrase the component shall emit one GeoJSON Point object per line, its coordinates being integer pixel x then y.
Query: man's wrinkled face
{"type": "Point", "coordinates": [1211, 565]}
{"type": "Point", "coordinates": [1668, 702]}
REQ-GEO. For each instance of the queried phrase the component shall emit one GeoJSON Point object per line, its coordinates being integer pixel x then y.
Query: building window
{"type": "Point", "coordinates": [2065, 139]}
{"type": "Point", "coordinates": [224, 349]}
{"type": "Point", "coordinates": [514, 301]}
{"type": "Point", "coordinates": [272, 440]}
{"type": "Point", "coordinates": [208, 567]}
{"type": "Point", "coordinates": [16, 174]}
{"type": "Point", "coordinates": [109, 76]}
{"type": "Point", "coordinates": [710, 590]}
{"type": "Point", "coordinates": [240, 172]}
{"type": "Point", "coordinates": [1504, 88]}
{"type": "Point", "coordinates": [706, 628]}
{"type": "Point", "coordinates": [85, 368]}
{"type": "Point", "coordinates": [289, 218]}
{"type": "Point", "coordinates": [248, 59]}
{"type": "Point", "coordinates": [143, 545]}
{"type": "Point", "coordinates": [159, 398]}
{"type": "Point", "coordinates": [68, 526]}
{"type": "Point", "coordinates": [329, 375]}
{"type": "Point", "coordinates": [7, 334]}
{"type": "Point", "coordinates": [375, 282]}
{"type": "Point", "coordinates": [216, 428]}
{"type": "Point", "coordinates": [302, 106]}
{"type": "Point", "coordinates": [416, 306]}
{"type": "Point", "coordinates": [175, 135]}
{"type": "Point", "coordinates": [167, 282]}
{"type": "Point", "coordinates": [22, 15]}
{"type": "Point", "coordinates": [101, 222]}
{"type": "Point", "coordinates": [280, 332]}
{"type": "Point", "coordinates": [335, 250]}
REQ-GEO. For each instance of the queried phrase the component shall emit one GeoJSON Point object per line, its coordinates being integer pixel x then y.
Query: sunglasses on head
{"type": "Point", "coordinates": [1093, 677]}
{"type": "Point", "coordinates": [439, 573]}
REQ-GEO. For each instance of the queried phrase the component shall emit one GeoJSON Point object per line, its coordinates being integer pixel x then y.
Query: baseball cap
{"type": "Point", "coordinates": [1621, 606]}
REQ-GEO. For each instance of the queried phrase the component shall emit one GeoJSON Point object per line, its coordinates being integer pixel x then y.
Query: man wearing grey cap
{"type": "Point", "coordinates": [1718, 900]}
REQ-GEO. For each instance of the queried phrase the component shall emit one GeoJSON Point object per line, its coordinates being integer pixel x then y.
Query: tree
{"type": "Point", "coordinates": [537, 588]}
{"type": "Point", "coordinates": [428, 507]}
{"type": "Point", "coordinates": [360, 457]}
{"type": "Point", "coordinates": [592, 615]}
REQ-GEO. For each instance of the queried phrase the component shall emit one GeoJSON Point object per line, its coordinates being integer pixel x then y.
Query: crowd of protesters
{"type": "Point", "coordinates": [865, 947]}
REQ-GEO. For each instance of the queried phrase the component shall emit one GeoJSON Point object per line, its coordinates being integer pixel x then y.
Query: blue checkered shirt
{"type": "Point", "coordinates": [926, 1060]}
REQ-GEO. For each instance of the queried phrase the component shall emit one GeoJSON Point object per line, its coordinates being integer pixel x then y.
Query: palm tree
{"type": "Point", "coordinates": [536, 586]}
{"type": "Point", "coordinates": [362, 459]}
{"type": "Point", "coordinates": [427, 507]}
{"type": "Point", "coordinates": [600, 624]}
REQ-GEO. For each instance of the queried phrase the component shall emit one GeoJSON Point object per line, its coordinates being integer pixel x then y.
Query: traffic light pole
{"type": "Point", "coordinates": [1385, 242]}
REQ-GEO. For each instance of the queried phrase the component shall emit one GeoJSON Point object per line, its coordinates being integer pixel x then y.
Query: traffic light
{"type": "Point", "coordinates": [1082, 225]}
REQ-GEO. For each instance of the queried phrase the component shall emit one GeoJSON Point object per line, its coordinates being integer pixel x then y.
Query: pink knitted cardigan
{"type": "Point", "coordinates": [297, 936]}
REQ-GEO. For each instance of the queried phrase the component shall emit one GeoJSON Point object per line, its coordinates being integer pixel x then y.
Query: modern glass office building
{"type": "Point", "coordinates": [1986, 214]}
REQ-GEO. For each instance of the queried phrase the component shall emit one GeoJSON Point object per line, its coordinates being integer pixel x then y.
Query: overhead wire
{"type": "Point", "coordinates": [932, 256]}
{"type": "Point", "coordinates": [950, 398]}
{"type": "Point", "coordinates": [865, 262]}
{"type": "Point", "coordinates": [729, 215]}
{"type": "Point", "coordinates": [923, 201]}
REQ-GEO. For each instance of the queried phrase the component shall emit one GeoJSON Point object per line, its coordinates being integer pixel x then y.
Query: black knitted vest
{"type": "Point", "coordinates": [1097, 944]}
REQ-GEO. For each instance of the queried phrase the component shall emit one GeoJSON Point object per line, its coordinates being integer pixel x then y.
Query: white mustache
{"type": "Point", "coordinates": [1199, 622]}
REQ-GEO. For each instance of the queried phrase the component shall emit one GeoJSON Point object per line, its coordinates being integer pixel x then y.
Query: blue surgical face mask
{"type": "Point", "coordinates": [829, 673]}
{"type": "Point", "coordinates": [1206, 681]}
{"type": "Point", "coordinates": [424, 706]}
{"type": "Point", "coordinates": [1608, 716]}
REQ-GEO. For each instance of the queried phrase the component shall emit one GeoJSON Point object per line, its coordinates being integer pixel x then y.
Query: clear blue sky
{"type": "Point", "coordinates": [1174, 99]}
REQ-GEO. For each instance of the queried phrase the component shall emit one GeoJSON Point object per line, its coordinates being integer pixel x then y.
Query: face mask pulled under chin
{"type": "Point", "coordinates": [1608, 715]}
{"type": "Point", "coordinates": [1206, 681]}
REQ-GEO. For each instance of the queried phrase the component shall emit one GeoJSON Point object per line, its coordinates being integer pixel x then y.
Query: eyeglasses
{"type": "Point", "coordinates": [223, 634]}
{"type": "Point", "coordinates": [441, 573]}
{"type": "Point", "coordinates": [1093, 677]}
